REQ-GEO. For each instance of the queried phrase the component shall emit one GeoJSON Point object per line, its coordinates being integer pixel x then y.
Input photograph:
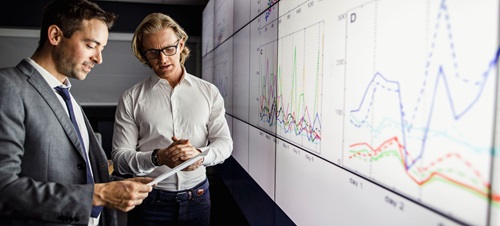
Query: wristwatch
{"type": "Point", "coordinates": [154, 157]}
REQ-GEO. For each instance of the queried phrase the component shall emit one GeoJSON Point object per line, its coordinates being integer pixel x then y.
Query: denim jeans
{"type": "Point", "coordinates": [187, 208]}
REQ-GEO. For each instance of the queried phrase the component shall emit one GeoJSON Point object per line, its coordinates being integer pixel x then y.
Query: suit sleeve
{"type": "Point", "coordinates": [21, 196]}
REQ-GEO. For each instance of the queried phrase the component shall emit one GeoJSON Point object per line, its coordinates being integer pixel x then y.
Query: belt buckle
{"type": "Point", "coordinates": [200, 192]}
{"type": "Point", "coordinates": [189, 195]}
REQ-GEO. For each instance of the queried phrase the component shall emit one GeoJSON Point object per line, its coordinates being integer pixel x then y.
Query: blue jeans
{"type": "Point", "coordinates": [189, 207]}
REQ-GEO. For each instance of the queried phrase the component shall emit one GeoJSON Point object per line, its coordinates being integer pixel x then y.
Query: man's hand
{"type": "Point", "coordinates": [194, 166]}
{"type": "Point", "coordinates": [178, 152]}
{"type": "Point", "coordinates": [122, 195]}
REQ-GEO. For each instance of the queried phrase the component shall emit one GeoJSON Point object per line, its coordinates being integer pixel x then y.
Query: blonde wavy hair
{"type": "Point", "coordinates": [153, 23]}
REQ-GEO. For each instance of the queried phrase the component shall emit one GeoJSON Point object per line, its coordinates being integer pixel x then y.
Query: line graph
{"type": "Point", "coordinates": [263, 67]}
{"type": "Point", "coordinates": [223, 69]}
{"type": "Point", "coordinates": [299, 86]}
{"type": "Point", "coordinates": [267, 86]}
{"type": "Point", "coordinates": [417, 120]}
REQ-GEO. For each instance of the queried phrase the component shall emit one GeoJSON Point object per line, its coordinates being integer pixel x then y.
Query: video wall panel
{"type": "Point", "coordinates": [379, 112]}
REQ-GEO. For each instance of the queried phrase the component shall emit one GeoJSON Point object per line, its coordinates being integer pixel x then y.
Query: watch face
{"type": "Point", "coordinates": [154, 157]}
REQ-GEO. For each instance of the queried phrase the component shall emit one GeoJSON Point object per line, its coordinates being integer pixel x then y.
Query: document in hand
{"type": "Point", "coordinates": [179, 168]}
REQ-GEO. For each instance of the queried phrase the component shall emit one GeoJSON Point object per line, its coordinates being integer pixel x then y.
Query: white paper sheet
{"type": "Point", "coordinates": [178, 168]}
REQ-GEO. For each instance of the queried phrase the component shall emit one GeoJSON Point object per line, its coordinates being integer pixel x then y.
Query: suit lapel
{"type": "Point", "coordinates": [46, 92]}
{"type": "Point", "coordinates": [97, 157]}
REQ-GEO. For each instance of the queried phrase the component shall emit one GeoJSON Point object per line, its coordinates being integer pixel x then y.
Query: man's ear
{"type": "Point", "coordinates": [54, 34]}
{"type": "Point", "coordinates": [181, 45]}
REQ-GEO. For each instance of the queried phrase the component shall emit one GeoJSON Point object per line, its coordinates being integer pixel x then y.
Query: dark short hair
{"type": "Point", "coordinates": [68, 15]}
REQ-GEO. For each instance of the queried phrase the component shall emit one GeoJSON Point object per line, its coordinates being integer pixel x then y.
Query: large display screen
{"type": "Point", "coordinates": [356, 112]}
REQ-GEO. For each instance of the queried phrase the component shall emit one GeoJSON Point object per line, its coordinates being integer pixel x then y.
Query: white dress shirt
{"type": "Point", "coordinates": [151, 112]}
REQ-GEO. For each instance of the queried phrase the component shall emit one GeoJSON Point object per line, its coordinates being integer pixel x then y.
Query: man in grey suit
{"type": "Point", "coordinates": [44, 171]}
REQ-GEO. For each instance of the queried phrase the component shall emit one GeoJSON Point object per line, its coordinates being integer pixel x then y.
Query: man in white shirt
{"type": "Point", "coordinates": [165, 120]}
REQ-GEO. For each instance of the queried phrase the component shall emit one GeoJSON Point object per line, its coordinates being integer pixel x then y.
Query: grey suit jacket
{"type": "Point", "coordinates": [42, 170]}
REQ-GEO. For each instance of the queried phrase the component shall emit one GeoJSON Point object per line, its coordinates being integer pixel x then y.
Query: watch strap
{"type": "Point", "coordinates": [154, 157]}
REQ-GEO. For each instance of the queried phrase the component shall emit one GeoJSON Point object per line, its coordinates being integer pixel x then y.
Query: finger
{"type": "Point", "coordinates": [178, 149]}
{"type": "Point", "coordinates": [136, 187]}
{"type": "Point", "coordinates": [183, 154]}
{"type": "Point", "coordinates": [176, 145]}
{"type": "Point", "coordinates": [177, 140]}
{"type": "Point", "coordinates": [141, 195]}
{"type": "Point", "coordinates": [190, 152]}
{"type": "Point", "coordinates": [143, 180]}
{"type": "Point", "coordinates": [177, 156]}
{"type": "Point", "coordinates": [129, 205]}
{"type": "Point", "coordinates": [199, 163]}
{"type": "Point", "coordinates": [182, 145]}
{"type": "Point", "coordinates": [195, 165]}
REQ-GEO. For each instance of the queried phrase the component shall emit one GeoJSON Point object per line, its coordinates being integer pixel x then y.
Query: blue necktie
{"type": "Point", "coordinates": [64, 92]}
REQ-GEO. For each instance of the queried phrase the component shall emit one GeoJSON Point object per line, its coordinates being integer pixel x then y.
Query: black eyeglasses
{"type": "Point", "coordinates": [168, 51]}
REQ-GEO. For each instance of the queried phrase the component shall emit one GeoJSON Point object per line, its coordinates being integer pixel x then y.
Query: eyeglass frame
{"type": "Point", "coordinates": [158, 51]}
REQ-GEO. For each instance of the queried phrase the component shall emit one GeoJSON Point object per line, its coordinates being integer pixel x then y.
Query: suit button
{"type": "Point", "coordinates": [65, 219]}
{"type": "Point", "coordinates": [80, 166]}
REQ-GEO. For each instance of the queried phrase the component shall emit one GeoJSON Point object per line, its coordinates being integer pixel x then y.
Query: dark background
{"type": "Point", "coordinates": [28, 14]}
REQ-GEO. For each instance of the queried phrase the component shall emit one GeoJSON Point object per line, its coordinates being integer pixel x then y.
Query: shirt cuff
{"type": "Point", "coordinates": [209, 158]}
{"type": "Point", "coordinates": [147, 163]}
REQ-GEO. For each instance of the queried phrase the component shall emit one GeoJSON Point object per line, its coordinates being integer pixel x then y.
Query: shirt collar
{"type": "Point", "coordinates": [49, 78]}
{"type": "Point", "coordinates": [185, 79]}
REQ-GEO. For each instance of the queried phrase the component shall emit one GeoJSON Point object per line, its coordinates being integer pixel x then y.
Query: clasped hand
{"type": "Point", "coordinates": [179, 151]}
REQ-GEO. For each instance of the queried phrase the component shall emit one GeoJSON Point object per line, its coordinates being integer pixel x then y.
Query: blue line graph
{"type": "Point", "coordinates": [432, 130]}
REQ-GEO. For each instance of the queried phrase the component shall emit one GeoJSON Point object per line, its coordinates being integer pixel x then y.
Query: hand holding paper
{"type": "Point", "coordinates": [178, 168]}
